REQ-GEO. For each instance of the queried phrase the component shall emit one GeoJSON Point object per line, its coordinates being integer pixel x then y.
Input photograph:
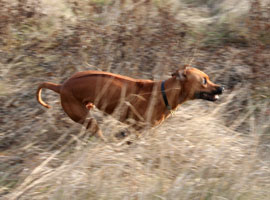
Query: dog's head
{"type": "Point", "coordinates": [196, 84]}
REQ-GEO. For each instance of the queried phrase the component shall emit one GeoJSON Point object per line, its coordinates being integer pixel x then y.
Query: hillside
{"type": "Point", "coordinates": [204, 150]}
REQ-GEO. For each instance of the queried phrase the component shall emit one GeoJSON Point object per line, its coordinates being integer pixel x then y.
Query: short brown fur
{"type": "Point", "coordinates": [126, 98]}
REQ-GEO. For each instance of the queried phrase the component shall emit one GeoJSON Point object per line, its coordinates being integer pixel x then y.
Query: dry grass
{"type": "Point", "coordinates": [205, 151]}
{"type": "Point", "coordinates": [191, 156]}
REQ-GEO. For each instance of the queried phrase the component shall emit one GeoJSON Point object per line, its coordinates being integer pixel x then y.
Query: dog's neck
{"type": "Point", "coordinates": [173, 89]}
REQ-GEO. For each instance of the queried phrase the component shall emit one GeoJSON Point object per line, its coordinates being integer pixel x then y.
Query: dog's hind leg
{"type": "Point", "coordinates": [92, 125]}
{"type": "Point", "coordinates": [78, 112]}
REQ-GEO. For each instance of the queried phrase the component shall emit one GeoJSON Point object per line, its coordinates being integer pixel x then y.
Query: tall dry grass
{"type": "Point", "coordinates": [193, 155]}
{"type": "Point", "coordinates": [204, 151]}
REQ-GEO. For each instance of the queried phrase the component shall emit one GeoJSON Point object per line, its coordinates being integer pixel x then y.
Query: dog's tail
{"type": "Point", "coordinates": [51, 86]}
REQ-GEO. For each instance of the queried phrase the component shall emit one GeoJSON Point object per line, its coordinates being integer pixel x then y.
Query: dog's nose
{"type": "Point", "coordinates": [220, 90]}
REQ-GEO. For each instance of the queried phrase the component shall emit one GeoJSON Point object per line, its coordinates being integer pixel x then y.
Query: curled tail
{"type": "Point", "coordinates": [48, 85]}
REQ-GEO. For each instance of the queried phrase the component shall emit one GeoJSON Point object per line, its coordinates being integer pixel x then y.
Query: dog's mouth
{"type": "Point", "coordinates": [207, 96]}
{"type": "Point", "coordinates": [210, 96]}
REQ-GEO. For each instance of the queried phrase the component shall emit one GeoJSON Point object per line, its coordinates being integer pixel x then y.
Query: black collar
{"type": "Point", "coordinates": [164, 96]}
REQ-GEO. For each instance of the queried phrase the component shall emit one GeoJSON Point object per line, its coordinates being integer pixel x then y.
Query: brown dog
{"type": "Point", "coordinates": [127, 99]}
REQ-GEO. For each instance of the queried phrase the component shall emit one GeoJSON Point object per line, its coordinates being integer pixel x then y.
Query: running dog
{"type": "Point", "coordinates": [132, 101]}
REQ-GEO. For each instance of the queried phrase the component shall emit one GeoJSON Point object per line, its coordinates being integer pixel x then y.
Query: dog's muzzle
{"type": "Point", "coordinates": [210, 96]}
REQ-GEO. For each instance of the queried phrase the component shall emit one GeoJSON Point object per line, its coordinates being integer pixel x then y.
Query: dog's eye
{"type": "Point", "coordinates": [204, 81]}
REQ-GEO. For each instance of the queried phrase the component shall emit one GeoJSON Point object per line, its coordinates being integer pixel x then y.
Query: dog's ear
{"type": "Point", "coordinates": [180, 75]}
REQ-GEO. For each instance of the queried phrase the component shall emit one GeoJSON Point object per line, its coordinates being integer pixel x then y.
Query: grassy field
{"type": "Point", "coordinates": [203, 151]}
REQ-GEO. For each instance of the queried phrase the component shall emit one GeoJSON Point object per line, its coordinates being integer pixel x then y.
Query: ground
{"type": "Point", "coordinates": [204, 150]}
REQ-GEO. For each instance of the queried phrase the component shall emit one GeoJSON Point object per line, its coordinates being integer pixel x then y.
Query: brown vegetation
{"type": "Point", "coordinates": [204, 151]}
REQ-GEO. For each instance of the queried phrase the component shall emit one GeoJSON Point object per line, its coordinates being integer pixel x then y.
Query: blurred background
{"type": "Point", "coordinates": [204, 151]}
